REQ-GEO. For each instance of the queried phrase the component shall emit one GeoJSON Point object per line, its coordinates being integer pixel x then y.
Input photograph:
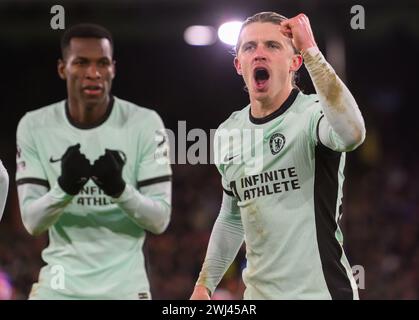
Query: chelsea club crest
{"type": "Point", "coordinates": [276, 143]}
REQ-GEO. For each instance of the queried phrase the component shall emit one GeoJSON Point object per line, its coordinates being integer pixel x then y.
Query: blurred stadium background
{"type": "Point", "coordinates": [157, 69]}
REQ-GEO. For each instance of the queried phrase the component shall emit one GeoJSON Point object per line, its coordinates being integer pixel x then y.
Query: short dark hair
{"type": "Point", "coordinates": [84, 30]}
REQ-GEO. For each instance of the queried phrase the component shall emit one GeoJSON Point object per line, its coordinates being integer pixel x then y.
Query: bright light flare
{"type": "Point", "coordinates": [200, 35]}
{"type": "Point", "coordinates": [229, 32]}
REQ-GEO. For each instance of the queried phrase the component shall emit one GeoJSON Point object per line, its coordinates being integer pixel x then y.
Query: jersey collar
{"type": "Point", "coordinates": [284, 107]}
{"type": "Point", "coordinates": [106, 116]}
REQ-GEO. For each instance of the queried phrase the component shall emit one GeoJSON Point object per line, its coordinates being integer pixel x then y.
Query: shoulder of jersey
{"type": "Point", "coordinates": [305, 102]}
{"type": "Point", "coordinates": [132, 112]}
{"type": "Point", "coordinates": [236, 119]}
{"type": "Point", "coordinates": [44, 115]}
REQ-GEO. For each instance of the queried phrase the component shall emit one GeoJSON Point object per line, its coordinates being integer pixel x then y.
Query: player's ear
{"type": "Point", "coordinates": [61, 69]}
{"type": "Point", "coordinates": [113, 68]}
{"type": "Point", "coordinates": [238, 66]}
{"type": "Point", "coordinates": [296, 62]}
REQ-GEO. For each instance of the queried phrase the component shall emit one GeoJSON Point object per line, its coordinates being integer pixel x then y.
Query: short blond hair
{"type": "Point", "coordinates": [263, 17]}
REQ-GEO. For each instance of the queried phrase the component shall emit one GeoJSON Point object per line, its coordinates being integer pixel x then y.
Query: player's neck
{"type": "Point", "coordinates": [264, 107]}
{"type": "Point", "coordinates": [85, 114]}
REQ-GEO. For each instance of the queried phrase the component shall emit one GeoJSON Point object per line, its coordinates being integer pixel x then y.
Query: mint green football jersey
{"type": "Point", "coordinates": [96, 246]}
{"type": "Point", "coordinates": [289, 191]}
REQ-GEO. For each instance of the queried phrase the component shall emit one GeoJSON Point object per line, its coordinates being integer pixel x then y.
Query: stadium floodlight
{"type": "Point", "coordinates": [200, 35]}
{"type": "Point", "coordinates": [229, 32]}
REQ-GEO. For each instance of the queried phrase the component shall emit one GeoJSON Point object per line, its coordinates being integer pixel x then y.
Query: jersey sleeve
{"type": "Point", "coordinates": [343, 128]}
{"type": "Point", "coordinates": [315, 116]}
{"type": "Point", "coordinates": [218, 160]}
{"type": "Point", "coordinates": [154, 157]}
{"type": "Point", "coordinates": [321, 132]}
{"type": "Point", "coordinates": [225, 241]}
{"type": "Point", "coordinates": [29, 168]}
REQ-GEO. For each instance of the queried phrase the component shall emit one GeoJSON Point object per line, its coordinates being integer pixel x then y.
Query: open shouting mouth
{"type": "Point", "coordinates": [261, 77]}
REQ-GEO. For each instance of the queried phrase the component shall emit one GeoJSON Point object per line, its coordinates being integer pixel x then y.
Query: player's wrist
{"type": "Point", "coordinates": [314, 59]}
{"type": "Point", "coordinates": [310, 50]}
{"type": "Point", "coordinates": [200, 288]}
{"type": "Point", "coordinates": [111, 186]}
{"type": "Point", "coordinates": [119, 189]}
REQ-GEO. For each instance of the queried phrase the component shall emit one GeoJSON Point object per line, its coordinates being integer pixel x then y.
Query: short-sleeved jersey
{"type": "Point", "coordinates": [94, 244]}
{"type": "Point", "coordinates": [288, 187]}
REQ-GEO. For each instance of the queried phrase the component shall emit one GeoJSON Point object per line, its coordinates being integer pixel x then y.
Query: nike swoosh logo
{"type": "Point", "coordinates": [228, 159]}
{"type": "Point", "coordinates": [52, 160]}
{"type": "Point", "coordinates": [163, 137]}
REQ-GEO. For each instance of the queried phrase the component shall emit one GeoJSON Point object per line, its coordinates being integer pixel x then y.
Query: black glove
{"type": "Point", "coordinates": [107, 173]}
{"type": "Point", "coordinates": [75, 170]}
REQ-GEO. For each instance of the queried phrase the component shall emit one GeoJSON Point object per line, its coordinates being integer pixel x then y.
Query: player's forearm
{"type": "Point", "coordinates": [225, 241]}
{"type": "Point", "coordinates": [149, 212]}
{"type": "Point", "coordinates": [339, 106]}
{"type": "Point", "coordinates": [41, 208]}
{"type": "Point", "coordinates": [4, 187]}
